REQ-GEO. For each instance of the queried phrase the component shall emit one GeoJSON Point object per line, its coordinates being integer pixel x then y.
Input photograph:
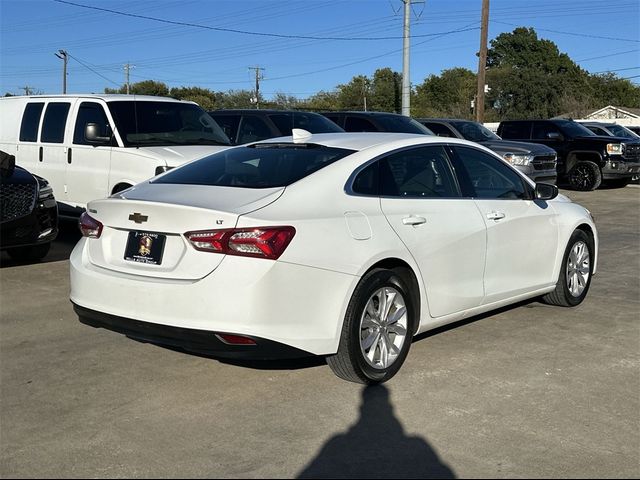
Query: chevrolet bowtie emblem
{"type": "Point", "coordinates": [138, 217]}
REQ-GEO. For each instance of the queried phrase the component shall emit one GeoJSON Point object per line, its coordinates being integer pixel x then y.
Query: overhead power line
{"type": "Point", "coordinates": [91, 69]}
{"type": "Point", "coordinates": [245, 32]}
{"type": "Point", "coordinates": [568, 33]}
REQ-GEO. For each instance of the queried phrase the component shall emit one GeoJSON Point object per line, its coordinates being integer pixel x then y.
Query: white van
{"type": "Point", "coordinates": [91, 146]}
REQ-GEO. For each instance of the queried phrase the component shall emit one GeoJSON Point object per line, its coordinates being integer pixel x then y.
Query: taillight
{"type": "Point", "coordinates": [89, 226]}
{"type": "Point", "coordinates": [260, 242]}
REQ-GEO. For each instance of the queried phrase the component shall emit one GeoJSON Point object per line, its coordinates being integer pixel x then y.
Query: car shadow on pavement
{"type": "Point", "coordinates": [376, 447]}
{"type": "Point", "coordinates": [61, 247]}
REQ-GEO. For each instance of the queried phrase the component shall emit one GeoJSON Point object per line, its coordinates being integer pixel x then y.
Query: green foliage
{"type": "Point", "coordinates": [145, 87]}
{"type": "Point", "coordinates": [202, 96]}
{"type": "Point", "coordinates": [446, 95]}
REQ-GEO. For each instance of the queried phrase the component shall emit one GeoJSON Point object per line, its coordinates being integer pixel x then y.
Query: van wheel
{"type": "Point", "coordinates": [585, 176]}
{"type": "Point", "coordinates": [575, 272]}
{"type": "Point", "coordinates": [30, 253]}
{"type": "Point", "coordinates": [377, 330]}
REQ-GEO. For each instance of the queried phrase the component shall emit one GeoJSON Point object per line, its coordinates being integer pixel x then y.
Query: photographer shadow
{"type": "Point", "coordinates": [376, 447]}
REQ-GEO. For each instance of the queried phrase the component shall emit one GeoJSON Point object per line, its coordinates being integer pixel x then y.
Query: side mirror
{"type": "Point", "coordinates": [546, 191]}
{"type": "Point", "coordinates": [92, 134]}
{"type": "Point", "coordinates": [555, 136]}
{"type": "Point", "coordinates": [7, 164]}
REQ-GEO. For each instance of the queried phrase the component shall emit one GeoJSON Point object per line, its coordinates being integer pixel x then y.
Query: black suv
{"type": "Point", "coordinates": [245, 125]}
{"type": "Point", "coordinates": [376, 122]}
{"type": "Point", "coordinates": [584, 159]}
{"type": "Point", "coordinates": [29, 214]}
{"type": "Point", "coordinates": [536, 161]}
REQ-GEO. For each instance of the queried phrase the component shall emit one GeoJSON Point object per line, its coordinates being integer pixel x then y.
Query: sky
{"type": "Point", "coordinates": [303, 46]}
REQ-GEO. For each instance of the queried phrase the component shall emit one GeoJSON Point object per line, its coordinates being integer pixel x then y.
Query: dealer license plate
{"type": "Point", "coordinates": [145, 247]}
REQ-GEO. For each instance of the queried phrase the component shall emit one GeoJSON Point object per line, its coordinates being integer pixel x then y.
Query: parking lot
{"type": "Point", "coordinates": [530, 391]}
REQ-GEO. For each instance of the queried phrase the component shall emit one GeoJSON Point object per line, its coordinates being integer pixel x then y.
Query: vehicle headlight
{"type": "Point", "coordinates": [615, 148]}
{"type": "Point", "coordinates": [518, 158]}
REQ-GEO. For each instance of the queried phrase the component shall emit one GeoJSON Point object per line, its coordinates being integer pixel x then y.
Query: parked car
{"type": "Point", "coordinates": [92, 146]}
{"type": "Point", "coordinates": [584, 159]}
{"type": "Point", "coordinates": [376, 122]}
{"type": "Point", "coordinates": [536, 161]}
{"type": "Point", "coordinates": [29, 214]}
{"type": "Point", "coordinates": [344, 245]}
{"type": "Point", "coordinates": [244, 125]}
{"type": "Point", "coordinates": [611, 130]}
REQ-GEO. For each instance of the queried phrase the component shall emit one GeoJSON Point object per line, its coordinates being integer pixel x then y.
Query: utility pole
{"type": "Point", "coordinates": [482, 62]}
{"type": "Point", "coordinates": [127, 69]}
{"type": "Point", "coordinates": [406, 83]}
{"type": "Point", "coordinates": [27, 89]}
{"type": "Point", "coordinates": [65, 58]}
{"type": "Point", "coordinates": [258, 78]}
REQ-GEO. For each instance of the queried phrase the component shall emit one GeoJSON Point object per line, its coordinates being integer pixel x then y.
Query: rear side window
{"type": "Point", "coordinates": [258, 166]}
{"type": "Point", "coordinates": [90, 112]}
{"type": "Point", "coordinates": [55, 121]}
{"type": "Point", "coordinates": [31, 122]}
{"type": "Point", "coordinates": [541, 130]}
{"type": "Point", "coordinates": [516, 130]}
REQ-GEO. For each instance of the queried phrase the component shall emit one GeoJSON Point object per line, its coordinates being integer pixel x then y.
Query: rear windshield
{"type": "Point", "coordinates": [148, 123]}
{"type": "Point", "coordinates": [311, 122]}
{"type": "Point", "coordinates": [257, 166]}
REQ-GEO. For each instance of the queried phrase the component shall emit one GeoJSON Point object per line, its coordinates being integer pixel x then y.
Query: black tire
{"type": "Point", "coordinates": [30, 253]}
{"type": "Point", "coordinates": [349, 363]}
{"type": "Point", "coordinates": [585, 176]}
{"type": "Point", "coordinates": [562, 295]}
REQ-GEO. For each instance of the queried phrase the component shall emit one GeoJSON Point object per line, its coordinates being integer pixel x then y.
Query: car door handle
{"type": "Point", "coordinates": [40, 154]}
{"type": "Point", "coordinates": [69, 156]}
{"type": "Point", "coordinates": [495, 215]}
{"type": "Point", "coordinates": [413, 220]}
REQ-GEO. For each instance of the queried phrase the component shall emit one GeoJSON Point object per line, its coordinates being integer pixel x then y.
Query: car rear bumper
{"type": "Point", "coordinates": [298, 306]}
{"type": "Point", "coordinates": [192, 340]}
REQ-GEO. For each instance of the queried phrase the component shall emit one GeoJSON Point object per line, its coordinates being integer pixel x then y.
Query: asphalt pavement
{"type": "Point", "coordinates": [531, 391]}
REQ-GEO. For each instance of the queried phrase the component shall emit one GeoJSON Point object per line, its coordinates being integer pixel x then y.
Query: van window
{"type": "Point", "coordinates": [31, 122]}
{"type": "Point", "coordinates": [55, 121]}
{"type": "Point", "coordinates": [149, 123]}
{"type": "Point", "coordinates": [90, 112]}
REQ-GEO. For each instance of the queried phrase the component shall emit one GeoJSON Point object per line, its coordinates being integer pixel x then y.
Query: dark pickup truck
{"type": "Point", "coordinates": [584, 159]}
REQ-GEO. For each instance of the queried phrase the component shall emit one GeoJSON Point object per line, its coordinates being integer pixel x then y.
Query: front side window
{"type": "Point", "coordinates": [489, 177]}
{"type": "Point", "coordinates": [258, 166]}
{"type": "Point", "coordinates": [440, 129]}
{"type": "Point", "coordinates": [90, 112]}
{"type": "Point", "coordinates": [150, 123]}
{"type": "Point", "coordinates": [31, 122]}
{"type": "Point", "coordinates": [422, 172]}
{"type": "Point", "coordinates": [55, 121]}
{"type": "Point", "coordinates": [573, 129]}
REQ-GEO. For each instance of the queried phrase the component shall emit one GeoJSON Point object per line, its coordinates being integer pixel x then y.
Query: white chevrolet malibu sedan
{"type": "Point", "coordinates": [341, 245]}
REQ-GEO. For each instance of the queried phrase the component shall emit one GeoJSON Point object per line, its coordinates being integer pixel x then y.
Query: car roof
{"type": "Point", "coordinates": [109, 97]}
{"type": "Point", "coordinates": [363, 140]}
{"type": "Point", "coordinates": [364, 114]}
{"type": "Point", "coordinates": [259, 111]}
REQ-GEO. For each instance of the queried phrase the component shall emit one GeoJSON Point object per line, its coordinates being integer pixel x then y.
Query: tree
{"type": "Point", "coordinates": [385, 92]}
{"type": "Point", "coordinates": [351, 96]}
{"type": "Point", "coordinates": [238, 99]}
{"type": "Point", "coordinates": [446, 95]}
{"type": "Point", "coordinates": [202, 96]}
{"type": "Point", "coordinates": [145, 87]}
{"type": "Point", "coordinates": [321, 101]}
